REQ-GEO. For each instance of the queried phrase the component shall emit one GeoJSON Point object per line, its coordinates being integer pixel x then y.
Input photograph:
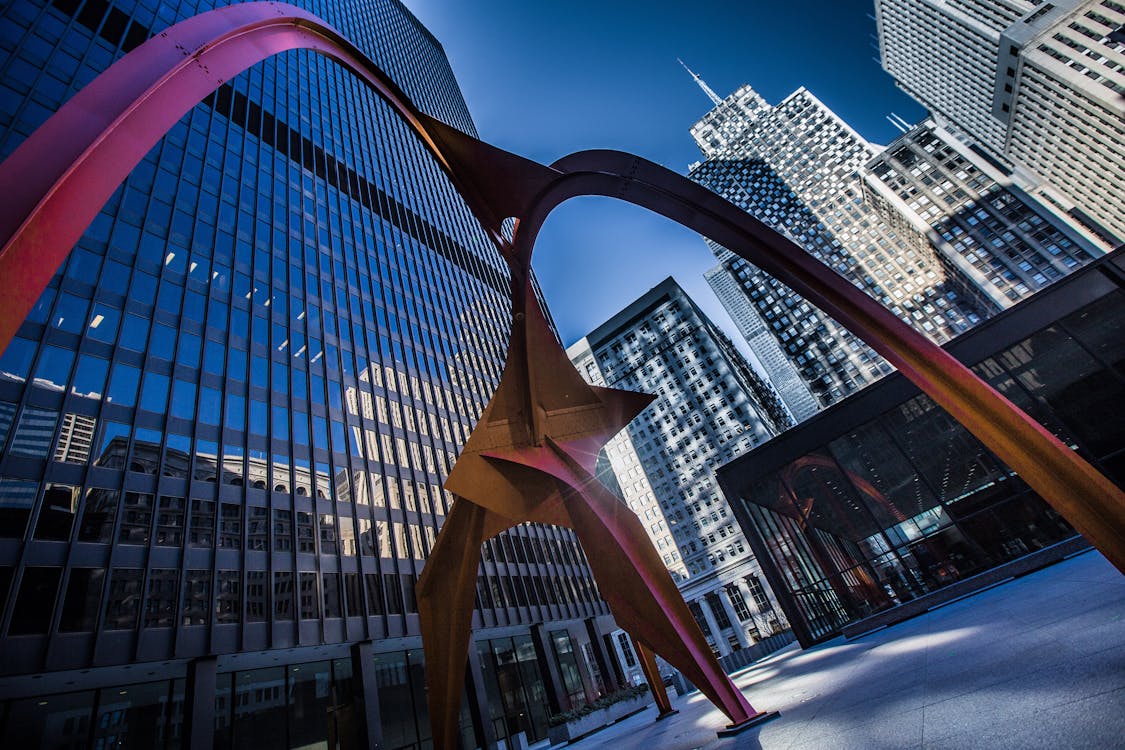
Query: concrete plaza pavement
{"type": "Point", "coordinates": [1037, 662]}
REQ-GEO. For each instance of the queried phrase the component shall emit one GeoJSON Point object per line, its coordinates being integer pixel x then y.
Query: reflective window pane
{"type": "Point", "coordinates": [259, 708]}
{"type": "Point", "coordinates": [53, 370]}
{"type": "Point", "coordinates": [160, 602]}
{"type": "Point", "coordinates": [35, 603]}
{"type": "Point", "coordinates": [154, 393]}
{"type": "Point", "coordinates": [136, 518]}
{"type": "Point", "coordinates": [257, 596]}
{"type": "Point", "coordinates": [202, 531]}
{"type": "Point", "coordinates": [124, 382]}
{"type": "Point", "coordinates": [89, 377]}
{"type": "Point", "coordinates": [124, 598]}
{"type": "Point", "coordinates": [15, 361]}
{"type": "Point", "coordinates": [183, 399]}
{"type": "Point", "coordinates": [54, 721]}
{"type": "Point", "coordinates": [134, 333]}
{"type": "Point", "coordinates": [170, 521]}
{"type": "Point", "coordinates": [104, 321]}
{"type": "Point", "coordinates": [35, 433]}
{"type": "Point", "coordinates": [57, 511]}
{"type": "Point", "coordinates": [197, 597]}
{"type": "Point", "coordinates": [228, 597]}
{"type": "Point", "coordinates": [99, 512]}
{"type": "Point", "coordinates": [133, 716]}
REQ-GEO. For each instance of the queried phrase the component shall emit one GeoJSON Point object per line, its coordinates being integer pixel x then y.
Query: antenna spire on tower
{"type": "Point", "coordinates": [715, 98]}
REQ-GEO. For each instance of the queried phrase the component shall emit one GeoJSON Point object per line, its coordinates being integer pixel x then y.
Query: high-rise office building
{"type": "Point", "coordinates": [795, 166]}
{"type": "Point", "coordinates": [1037, 86]}
{"type": "Point", "coordinates": [710, 407]}
{"type": "Point", "coordinates": [926, 226]}
{"type": "Point", "coordinates": [1007, 242]}
{"type": "Point", "coordinates": [764, 347]}
{"type": "Point", "coordinates": [225, 425]}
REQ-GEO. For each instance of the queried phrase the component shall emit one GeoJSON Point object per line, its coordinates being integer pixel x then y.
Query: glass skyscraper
{"type": "Point", "coordinates": [225, 425]}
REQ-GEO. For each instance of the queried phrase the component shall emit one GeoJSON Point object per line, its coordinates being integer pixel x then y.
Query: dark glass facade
{"type": "Point", "coordinates": [225, 426]}
{"type": "Point", "coordinates": [884, 498]}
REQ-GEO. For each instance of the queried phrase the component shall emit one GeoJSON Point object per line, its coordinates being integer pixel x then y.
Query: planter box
{"type": "Point", "coordinates": [594, 721]}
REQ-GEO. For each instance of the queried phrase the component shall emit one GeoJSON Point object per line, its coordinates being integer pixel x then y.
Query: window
{"type": "Point", "coordinates": [332, 603]}
{"type": "Point", "coordinates": [197, 597]}
{"type": "Point", "coordinates": [257, 604]}
{"type": "Point", "coordinates": [183, 399]}
{"type": "Point", "coordinates": [35, 602]}
{"type": "Point", "coordinates": [327, 534]}
{"type": "Point", "coordinates": [124, 598]}
{"type": "Point", "coordinates": [306, 536]}
{"type": "Point", "coordinates": [202, 530]}
{"type": "Point", "coordinates": [154, 393]}
{"type": "Point", "coordinates": [160, 601]}
{"type": "Point", "coordinates": [83, 597]}
{"type": "Point", "coordinates": [258, 529]}
{"type": "Point", "coordinates": [123, 384]}
{"type": "Point", "coordinates": [89, 377]}
{"type": "Point", "coordinates": [56, 515]}
{"type": "Point", "coordinates": [309, 600]}
{"type": "Point", "coordinates": [353, 595]}
{"type": "Point", "coordinates": [134, 332]}
{"type": "Point", "coordinates": [98, 515]}
{"type": "Point", "coordinates": [760, 599]}
{"type": "Point", "coordinates": [626, 649]}
{"type": "Point", "coordinates": [230, 526]}
{"type": "Point", "coordinates": [170, 521]}
{"type": "Point", "coordinates": [228, 600]}
{"type": "Point", "coordinates": [136, 518]}
{"type": "Point", "coordinates": [104, 321]}
{"type": "Point", "coordinates": [283, 605]}
{"type": "Point", "coordinates": [53, 370]}
{"type": "Point", "coordinates": [282, 530]}
{"type": "Point", "coordinates": [741, 611]}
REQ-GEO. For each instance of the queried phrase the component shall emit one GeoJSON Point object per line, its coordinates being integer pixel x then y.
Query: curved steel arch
{"type": "Point", "coordinates": [1093, 504]}
{"type": "Point", "coordinates": [532, 455]}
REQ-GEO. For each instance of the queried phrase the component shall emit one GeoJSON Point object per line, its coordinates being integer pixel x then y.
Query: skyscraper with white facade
{"type": "Point", "coordinates": [795, 166]}
{"type": "Point", "coordinates": [1009, 244]}
{"type": "Point", "coordinates": [926, 226]}
{"type": "Point", "coordinates": [1037, 86]}
{"type": "Point", "coordinates": [710, 407]}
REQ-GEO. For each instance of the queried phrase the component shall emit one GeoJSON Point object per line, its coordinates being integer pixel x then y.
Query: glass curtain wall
{"type": "Point", "coordinates": [910, 502]}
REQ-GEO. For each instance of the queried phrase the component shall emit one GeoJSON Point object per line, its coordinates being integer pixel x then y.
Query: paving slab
{"type": "Point", "coordinates": [1037, 662]}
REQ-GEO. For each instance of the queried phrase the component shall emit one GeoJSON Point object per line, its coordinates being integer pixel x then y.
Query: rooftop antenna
{"type": "Point", "coordinates": [715, 99]}
{"type": "Point", "coordinates": [902, 122]}
{"type": "Point", "coordinates": [894, 122]}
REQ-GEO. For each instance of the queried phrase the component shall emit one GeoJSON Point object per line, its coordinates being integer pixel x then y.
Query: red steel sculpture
{"type": "Point", "coordinates": [531, 457]}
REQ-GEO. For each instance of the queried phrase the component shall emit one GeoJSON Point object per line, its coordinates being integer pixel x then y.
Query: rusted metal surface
{"type": "Point", "coordinates": [654, 678]}
{"type": "Point", "coordinates": [531, 457]}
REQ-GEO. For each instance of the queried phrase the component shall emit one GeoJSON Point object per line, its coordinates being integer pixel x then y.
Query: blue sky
{"type": "Point", "coordinates": [546, 78]}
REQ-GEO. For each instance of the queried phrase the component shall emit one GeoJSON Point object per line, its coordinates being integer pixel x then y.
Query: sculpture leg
{"type": "Point", "coordinates": [655, 681]}
{"type": "Point", "coordinates": [445, 594]}
{"type": "Point", "coordinates": [642, 596]}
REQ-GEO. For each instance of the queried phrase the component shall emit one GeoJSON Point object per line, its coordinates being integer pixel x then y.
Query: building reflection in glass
{"type": "Point", "coordinates": [872, 508]}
